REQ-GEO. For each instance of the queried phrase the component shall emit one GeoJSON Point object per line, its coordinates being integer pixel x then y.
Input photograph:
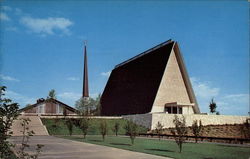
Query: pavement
{"type": "Point", "coordinates": [58, 148]}
{"type": "Point", "coordinates": [35, 124]}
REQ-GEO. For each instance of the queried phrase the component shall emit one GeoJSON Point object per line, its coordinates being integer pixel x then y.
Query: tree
{"type": "Point", "coordinates": [84, 126]}
{"type": "Point", "coordinates": [84, 105]}
{"type": "Point", "coordinates": [103, 129]}
{"type": "Point", "coordinates": [212, 106]}
{"type": "Point", "coordinates": [116, 128]}
{"type": "Point", "coordinates": [26, 133]}
{"type": "Point", "coordinates": [180, 130]}
{"type": "Point", "coordinates": [159, 129]}
{"type": "Point", "coordinates": [8, 113]}
{"type": "Point", "coordinates": [52, 94]}
{"type": "Point", "coordinates": [69, 124]}
{"type": "Point", "coordinates": [196, 128]}
{"type": "Point", "coordinates": [131, 130]}
{"type": "Point", "coordinates": [98, 105]}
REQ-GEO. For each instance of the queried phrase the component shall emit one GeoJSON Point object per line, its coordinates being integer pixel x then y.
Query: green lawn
{"type": "Point", "coordinates": [169, 148]}
{"type": "Point", "coordinates": [58, 127]}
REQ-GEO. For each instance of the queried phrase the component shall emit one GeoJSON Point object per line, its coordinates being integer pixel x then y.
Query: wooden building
{"type": "Point", "coordinates": [153, 81]}
{"type": "Point", "coordinates": [48, 107]}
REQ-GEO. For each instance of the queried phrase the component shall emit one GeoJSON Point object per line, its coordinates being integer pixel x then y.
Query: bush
{"type": "Point", "coordinates": [116, 128]}
{"type": "Point", "coordinates": [196, 128]}
{"type": "Point", "coordinates": [8, 113]}
{"type": "Point", "coordinates": [159, 129]}
{"type": "Point", "coordinates": [180, 131]}
{"type": "Point", "coordinates": [84, 126]}
{"type": "Point", "coordinates": [69, 124]}
{"type": "Point", "coordinates": [131, 130]}
{"type": "Point", "coordinates": [103, 129]}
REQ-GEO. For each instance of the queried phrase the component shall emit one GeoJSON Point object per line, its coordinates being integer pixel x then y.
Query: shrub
{"type": "Point", "coordinates": [103, 129]}
{"type": "Point", "coordinates": [131, 130]}
{"type": "Point", "coordinates": [180, 131]}
{"type": "Point", "coordinates": [69, 124]}
{"type": "Point", "coordinates": [159, 129]}
{"type": "Point", "coordinates": [8, 113]}
{"type": "Point", "coordinates": [196, 128]}
{"type": "Point", "coordinates": [84, 126]}
{"type": "Point", "coordinates": [116, 128]}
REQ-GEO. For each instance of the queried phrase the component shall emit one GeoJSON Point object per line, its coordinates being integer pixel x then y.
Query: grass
{"type": "Point", "coordinates": [169, 148]}
{"type": "Point", "coordinates": [58, 127]}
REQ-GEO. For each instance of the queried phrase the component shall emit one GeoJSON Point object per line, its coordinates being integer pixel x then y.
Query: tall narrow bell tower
{"type": "Point", "coordinates": [85, 89]}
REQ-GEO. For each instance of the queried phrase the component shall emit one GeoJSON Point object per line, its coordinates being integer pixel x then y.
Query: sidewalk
{"type": "Point", "coordinates": [58, 148]}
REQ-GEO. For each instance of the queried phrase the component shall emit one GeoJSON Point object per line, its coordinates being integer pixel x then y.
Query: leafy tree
{"type": "Point", "coordinates": [196, 128]}
{"type": "Point", "coordinates": [103, 129]}
{"type": "Point", "coordinates": [89, 106]}
{"type": "Point", "coordinates": [84, 126]}
{"type": "Point", "coordinates": [52, 94]}
{"type": "Point", "coordinates": [180, 130]}
{"type": "Point", "coordinates": [84, 106]}
{"type": "Point", "coordinates": [159, 129]}
{"type": "Point", "coordinates": [217, 113]}
{"type": "Point", "coordinates": [116, 128]}
{"type": "Point", "coordinates": [98, 105]}
{"type": "Point", "coordinates": [212, 106]}
{"type": "Point", "coordinates": [131, 130]}
{"type": "Point", "coordinates": [8, 113]}
{"type": "Point", "coordinates": [69, 124]}
{"type": "Point", "coordinates": [26, 133]}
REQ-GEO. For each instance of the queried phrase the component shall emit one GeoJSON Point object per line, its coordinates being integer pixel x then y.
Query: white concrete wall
{"type": "Point", "coordinates": [150, 120]}
{"type": "Point", "coordinates": [187, 110]}
{"type": "Point", "coordinates": [140, 119]}
{"type": "Point", "coordinates": [172, 87]}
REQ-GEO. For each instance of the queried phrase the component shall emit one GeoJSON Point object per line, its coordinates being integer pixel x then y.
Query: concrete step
{"type": "Point", "coordinates": [35, 124]}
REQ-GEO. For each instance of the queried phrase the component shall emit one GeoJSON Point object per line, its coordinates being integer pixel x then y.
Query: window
{"type": "Point", "coordinates": [40, 109]}
{"type": "Point", "coordinates": [180, 110]}
{"type": "Point", "coordinates": [168, 109]}
{"type": "Point", "coordinates": [173, 110]}
{"type": "Point", "coordinates": [59, 109]}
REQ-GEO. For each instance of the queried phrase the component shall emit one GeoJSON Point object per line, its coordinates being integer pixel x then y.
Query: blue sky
{"type": "Point", "coordinates": [42, 46]}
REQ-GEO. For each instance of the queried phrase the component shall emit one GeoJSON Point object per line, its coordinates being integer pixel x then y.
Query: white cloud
{"type": "Point", "coordinates": [106, 74]}
{"type": "Point", "coordinates": [21, 99]}
{"type": "Point", "coordinates": [47, 26]}
{"type": "Point", "coordinates": [6, 8]}
{"type": "Point", "coordinates": [238, 98]}
{"type": "Point", "coordinates": [94, 95]}
{"type": "Point", "coordinates": [204, 89]}
{"type": "Point", "coordinates": [18, 11]}
{"type": "Point", "coordinates": [12, 29]}
{"type": "Point", "coordinates": [8, 78]}
{"type": "Point", "coordinates": [231, 104]}
{"type": "Point", "coordinates": [4, 17]}
{"type": "Point", "coordinates": [69, 96]}
{"type": "Point", "coordinates": [234, 103]}
{"type": "Point", "coordinates": [73, 78]}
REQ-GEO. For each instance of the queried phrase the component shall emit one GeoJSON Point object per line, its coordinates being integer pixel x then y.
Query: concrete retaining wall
{"type": "Point", "coordinates": [150, 120]}
{"type": "Point", "coordinates": [140, 119]}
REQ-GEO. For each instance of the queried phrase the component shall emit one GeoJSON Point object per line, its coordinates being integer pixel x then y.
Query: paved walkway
{"type": "Point", "coordinates": [58, 148]}
{"type": "Point", "coordinates": [35, 125]}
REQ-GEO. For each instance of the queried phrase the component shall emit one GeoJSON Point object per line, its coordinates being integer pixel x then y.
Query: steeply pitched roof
{"type": "Point", "coordinates": [133, 84]}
